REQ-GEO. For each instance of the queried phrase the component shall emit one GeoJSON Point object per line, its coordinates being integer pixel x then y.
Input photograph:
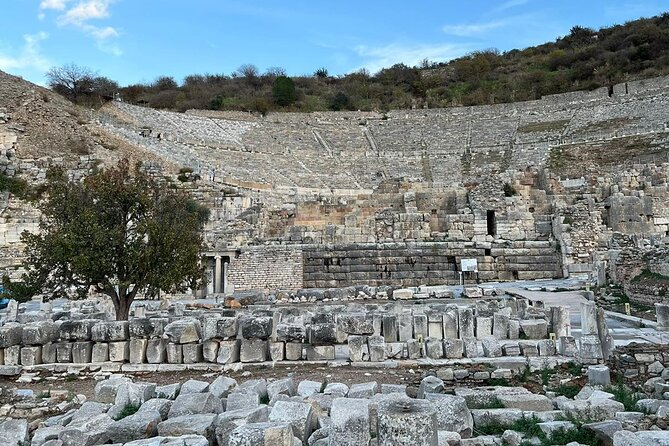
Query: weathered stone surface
{"type": "Point", "coordinates": [320, 352]}
{"type": "Point", "coordinates": [306, 388]}
{"type": "Point", "coordinates": [256, 327]}
{"type": "Point", "coordinates": [13, 432]}
{"type": "Point", "coordinates": [142, 424]}
{"type": "Point", "coordinates": [363, 390]}
{"type": "Point", "coordinates": [604, 430]}
{"type": "Point", "coordinates": [356, 324]}
{"type": "Point", "coordinates": [299, 415]}
{"type": "Point", "coordinates": [87, 431]}
{"type": "Point", "coordinates": [160, 405]}
{"type": "Point", "coordinates": [527, 402]}
{"type": "Point", "coordinates": [194, 386]}
{"type": "Point", "coordinates": [110, 331]}
{"type": "Point", "coordinates": [39, 333]}
{"type": "Point", "coordinates": [183, 331]}
{"type": "Point", "coordinates": [284, 386]}
{"type": "Point", "coordinates": [228, 351]}
{"type": "Point", "coordinates": [323, 333]}
{"type": "Point", "coordinates": [229, 420]}
{"type": "Point", "coordinates": [350, 422]}
{"type": "Point", "coordinates": [595, 410]}
{"type": "Point", "coordinates": [222, 386]}
{"type": "Point", "coordinates": [106, 390]}
{"type": "Point", "coordinates": [404, 421]}
{"type": "Point", "coordinates": [255, 434]}
{"type": "Point", "coordinates": [195, 403]}
{"type": "Point", "coordinates": [10, 335]}
{"type": "Point", "coordinates": [242, 400]}
{"type": "Point", "coordinates": [377, 348]}
{"type": "Point", "coordinates": [452, 413]}
{"type": "Point", "coordinates": [253, 350]}
{"type": "Point", "coordinates": [534, 328]}
{"type": "Point", "coordinates": [430, 384]}
{"type": "Point", "coordinates": [119, 351]}
{"type": "Point", "coordinates": [199, 424]}
{"type": "Point", "coordinates": [147, 328]}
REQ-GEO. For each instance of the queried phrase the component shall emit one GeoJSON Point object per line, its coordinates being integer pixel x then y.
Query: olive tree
{"type": "Point", "coordinates": [118, 232]}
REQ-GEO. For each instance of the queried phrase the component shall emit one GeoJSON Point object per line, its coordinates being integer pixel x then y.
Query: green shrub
{"type": "Point", "coordinates": [128, 409]}
{"type": "Point", "coordinates": [625, 395]}
{"type": "Point", "coordinates": [569, 390]}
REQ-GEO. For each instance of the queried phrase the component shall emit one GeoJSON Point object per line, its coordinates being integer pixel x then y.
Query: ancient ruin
{"type": "Point", "coordinates": [463, 276]}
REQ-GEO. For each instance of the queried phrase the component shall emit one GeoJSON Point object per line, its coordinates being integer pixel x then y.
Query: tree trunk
{"type": "Point", "coordinates": [123, 309]}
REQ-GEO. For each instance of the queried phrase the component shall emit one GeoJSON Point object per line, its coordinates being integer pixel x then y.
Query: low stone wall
{"type": "Point", "coordinates": [366, 333]}
{"type": "Point", "coordinates": [646, 294]}
{"type": "Point", "coordinates": [640, 362]}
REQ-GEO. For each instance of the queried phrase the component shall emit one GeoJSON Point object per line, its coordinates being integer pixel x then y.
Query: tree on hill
{"type": "Point", "coordinates": [283, 91]}
{"type": "Point", "coordinates": [119, 232]}
{"type": "Point", "coordinates": [81, 85]}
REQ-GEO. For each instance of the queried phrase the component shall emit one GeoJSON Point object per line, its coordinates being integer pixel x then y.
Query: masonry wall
{"type": "Point", "coordinates": [414, 264]}
{"type": "Point", "coordinates": [267, 267]}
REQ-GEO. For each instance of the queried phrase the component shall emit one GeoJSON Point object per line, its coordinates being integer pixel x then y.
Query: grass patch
{"type": "Point", "coordinates": [647, 275]}
{"type": "Point", "coordinates": [264, 399]}
{"type": "Point", "coordinates": [14, 185]}
{"type": "Point", "coordinates": [503, 382]}
{"type": "Point", "coordinates": [625, 395]}
{"type": "Point", "coordinates": [128, 409]}
{"type": "Point", "coordinates": [546, 375]}
{"type": "Point", "coordinates": [570, 390]}
{"type": "Point", "coordinates": [495, 403]}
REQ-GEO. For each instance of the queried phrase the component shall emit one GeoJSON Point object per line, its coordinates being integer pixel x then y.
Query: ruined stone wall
{"type": "Point", "coordinates": [640, 362]}
{"type": "Point", "coordinates": [267, 267]}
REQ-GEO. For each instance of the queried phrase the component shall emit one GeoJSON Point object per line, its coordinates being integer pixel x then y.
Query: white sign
{"type": "Point", "coordinates": [469, 265]}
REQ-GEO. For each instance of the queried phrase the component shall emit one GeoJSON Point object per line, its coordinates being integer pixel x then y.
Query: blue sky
{"type": "Point", "coordinates": [138, 40]}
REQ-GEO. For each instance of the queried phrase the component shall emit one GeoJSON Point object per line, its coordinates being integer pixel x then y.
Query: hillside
{"type": "Point", "coordinates": [583, 60]}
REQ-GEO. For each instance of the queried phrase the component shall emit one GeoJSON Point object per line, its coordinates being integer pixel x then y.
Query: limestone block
{"type": "Point", "coordinates": [403, 294]}
{"type": "Point", "coordinates": [466, 320]}
{"type": "Point", "coordinates": [228, 351]}
{"type": "Point", "coordinates": [119, 351]}
{"type": "Point", "coordinates": [183, 331]}
{"type": "Point", "coordinates": [76, 330]}
{"type": "Point", "coordinates": [106, 390]}
{"type": "Point", "coordinates": [323, 333]}
{"type": "Point", "coordinates": [174, 353]}
{"type": "Point", "coordinates": [599, 375]}
{"type": "Point", "coordinates": [194, 386]}
{"type": "Point", "coordinates": [63, 352]}
{"type": "Point", "coordinates": [514, 329]}
{"type": "Point", "coordinates": [534, 328]}
{"type": "Point", "coordinates": [13, 355]}
{"type": "Point", "coordinates": [49, 353]}
{"type": "Point", "coordinates": [406, 422]}
{"type": "Point", "coordinates": [242, 400]}
{"type": "Point", "coordinates": [291, 332]}
{"type": "Point", "coordinates": [527, 402]}
{"type": "Point", "coordinates": [511, 349]}
{"type": "Point", "coordinates": [268, 433]}
{"type": "Point", "coordinates": [156, 350]}
{"type": "Point", "coordinates": [195, 403]}
{"type": "Point", "coordinates": [356, 324]}
{"type": "Point", "coordinates": [82, 352]}
{"type": "Point", "coordinates": [192, 353]}
{"type": "Point", "coordinates": [453, 348]}
{"type": "Point", "coordinates": [450, 324]}
{"type": "Point", "coordinates": [202, 425]}
{"type": "Point", "coordinates": [138, 350]}
{"type": "Point", "coordinates": [500, 328]}
{"type": "Point", "coordinates": [14, 431]}
{"type": "Point", "coordinates": [357, 346]}
{"type": "Point", "coordinates": [390, 328]}
{"type": "Point", "coordinates": [363, 390]}
{"type": "Point", "coordinates": [491, 347]}
{"type": "Point", "coordinates": [320, 352]}
{"type": "Point", "coordinates": [88, 431]}
{"type": "Point", "coordinates": [256, 327]}
{"type": "Point", "coordinates": [100, 352]}
{"type": "Point", "coordinates": [430, 384]}
{"type": "Point", "coordinates": [142, 424]}
{"type": "Point", "coordinates": [277, 351]}
{"type": "Point", "coordinates": [528, 348]}
{"type": "Point", "coordinates": [420, 327]}
{"type": "Point", "coordinates": [546, 347]}
{"type": "Point", "coordinates": [10, 335]}
{"type": "Point", "coordinates": [350, 422]}
{"type": "Point", "coordinates": [226, 327]}
{"type": "Point", "coordinates": [405, 327]}
{"type": "Point", "coordinates": [471, 347]}
{"type": "Point", "coordinates": [434, 348]}
{"type": "Point", "coordinates": [147, 328]}
{"type": "Point", "coordinates": [299, 415]}
{"type": "Point", "coordinates": [253, 350]}
{"type": "Point", "coordinates": [285, 386]}
{"type": "Point", "coordinates": [483, 327]}
{"type": "Point", "coordinates": [377, 348]}
{"type": "Point", "coordinates": [39, 333]}
{"type": "Point", "coordinates": [210, 350]}
{"type": "Point", "coordinates": [31, 355]}
{"type": "Point", "coordinates": [110, 331]}
{"type": "Point", "coordinates": [414, 349]}
{"type": "Point", "coordinates": [452, 413]}
{"type": "Point", "coordinates": [294, 351]}
{"type": "Point", "coordinates": [395, 350]}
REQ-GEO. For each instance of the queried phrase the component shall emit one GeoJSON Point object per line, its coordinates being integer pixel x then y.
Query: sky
{"type": "Point", "coordinates": [134, 41]}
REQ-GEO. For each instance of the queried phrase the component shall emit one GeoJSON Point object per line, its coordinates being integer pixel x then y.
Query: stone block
{"type": "Point", "coordinates": [483, 327]}
{"type": "Point", "coordinates": [100, 352]}
{"type": "Point", "coordinates": [294, 351]}
{"type": "Point", "coordinates": [471, 347]}
{"type": "Point", "coordinates": [138, 351]}
{"type": "Point", "coordinates": [599, 375]}
{"type": "Point", "coordinates": [450, 324]}
{"type": "Point", "coordinates": [227, 327]}
{"type": "Point", "coordinates": [253, 350]}
{"type": "Point", "coordinates": [534, 328]}
{"type": "Point", "coordinates": [430, 384]}
{"type": "Point", "coordinates": [110, 331]}
{"type": "Point", "coordinates": [31, 355]}
{"type": "Point", "coordinates": [39, 333]}
{"type": "Point", "coordinates": [63, 352]}
{"type": "Point", "coordinates": [414, 348]}
{"type": "Point", "coordinates": [434, 348]}
{"type": "Point", "coordinates": [350, 422]}
{"type": "Point", "coordinates": [147, 328]}
{"type": "Point", "coordinates": [256, 327]}
{"type": "Point", "coordinates": [466, 321]}
{"type": "Point", "coordinates": [183, 331]}
{"type": "Point", "coordinates": [323, 333]}
{"type": "Point", "coordinates": [119, 351]}
{"type": "Point", "coordinates": [491, 347]}
{"type": "Point", "coordinates": [390, 328]}
{"type": "Point", "coordinates": [192, 353]}
{"type": "Point", "coordinates": [420, 327]}
{"type": "Point", "coordinates": [82, 352]}
{"type": "Point", "coordinates": [363, 390]}
{"type": "Point", "coordinates": [453, 348]}
{"type": "Point", "coordinates": [299, 415]}
{"type": "Point", "coordinates": [452, 413]}
{"type": "Point", "coordinates": [405, 327]}
{"type": "Point", "coordinates": [357, 348]}
{"type": "Point", "coordinates": [156, 350]}
{"type": "Point", "coordinates": [267, 433]}
{"type": "Point", "coordinates": [174, 353]}
{"type": "Point", "coordinates": [500, 328]}
{"type": "Point", "coordinates": [377, 348]}
{"type": "Point", "coordinates": [49, 353]}
{"type": "Point", "coordinates": [11, 335]}
{"type": "Point", "coordinates": [76, 330]}
{"type": "Point", "coordinates": [320, 352]}
{"type": "Point", "coordinates": [405, 421]}
{"type": "Point", "coordinates": [228, 351]}
{"type": "Point", "coordinates": [210, 350]}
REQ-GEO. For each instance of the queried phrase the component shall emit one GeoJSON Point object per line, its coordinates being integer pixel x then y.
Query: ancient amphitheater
{"type": "Point", "coordinates": [333, 247]}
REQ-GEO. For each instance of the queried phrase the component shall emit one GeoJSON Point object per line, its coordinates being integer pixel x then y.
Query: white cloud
{"type": "Point", "coordinates": [411, 55]}
{"type": "Point", "coordinates": [87, 10]}
{"type": "Point", "coordinates": [29, 57]}
{"type": "Point", "coordinates": [58, 5]}
{"type": "Point", "coordinates": [510, 4]}
{"type": "Point", "coordinates": [473, 29]}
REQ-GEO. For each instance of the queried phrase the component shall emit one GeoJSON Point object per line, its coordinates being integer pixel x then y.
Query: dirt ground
{"type": "Point", "coordinates": [344, 374]}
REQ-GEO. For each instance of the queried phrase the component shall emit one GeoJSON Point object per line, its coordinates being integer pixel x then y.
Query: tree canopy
{"type": "Point", "coordinates": [119, 232]}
